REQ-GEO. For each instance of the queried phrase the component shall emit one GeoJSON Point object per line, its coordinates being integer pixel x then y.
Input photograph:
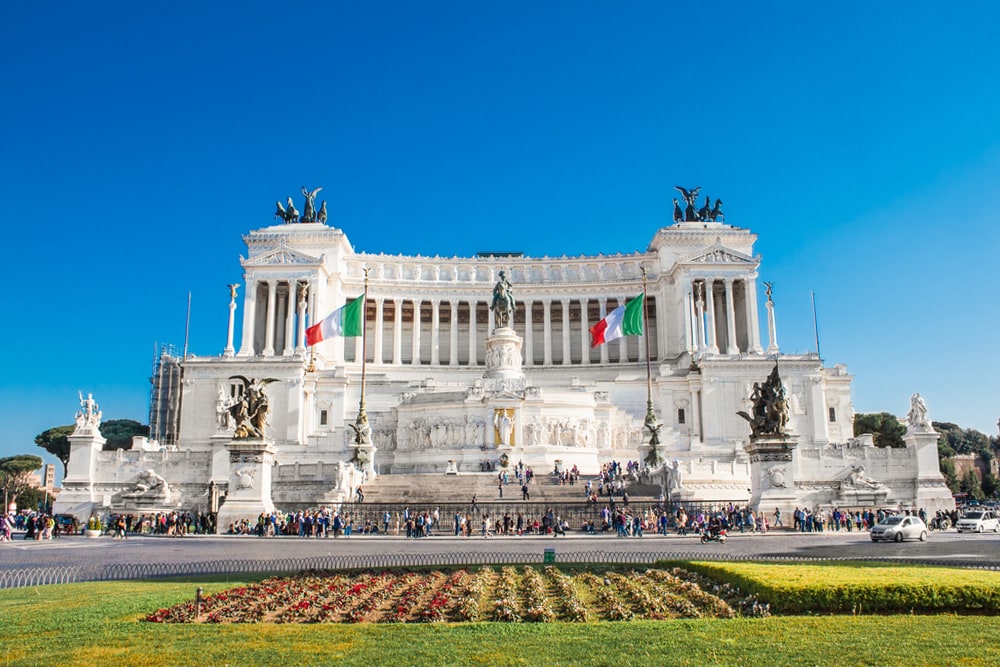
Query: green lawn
{"type": "Point", "coordinates": [99, 624]}
{"type": "Point", "coordinates": [862, 587]}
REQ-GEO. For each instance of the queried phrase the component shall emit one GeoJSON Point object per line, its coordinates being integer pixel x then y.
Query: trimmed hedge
{"type": "Point", "coordinates": [860, 588]}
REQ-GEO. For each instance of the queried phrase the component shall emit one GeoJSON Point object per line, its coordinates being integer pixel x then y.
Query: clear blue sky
{"type": "Point", "coordinates": [861, 141]}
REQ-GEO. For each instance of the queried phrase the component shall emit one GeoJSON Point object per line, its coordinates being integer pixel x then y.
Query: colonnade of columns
{"type": "Point", "coordinates": [440, 331]}
{"type": "Point", "coordinates": [276, 326]}
{"type": "Point", "coordinates": [721, 316]}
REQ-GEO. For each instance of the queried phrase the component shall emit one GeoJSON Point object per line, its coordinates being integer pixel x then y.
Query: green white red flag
{"type": "Point", "coordinates": [622, 321]}
{"type": "Point", "coordinates": [345, 321]}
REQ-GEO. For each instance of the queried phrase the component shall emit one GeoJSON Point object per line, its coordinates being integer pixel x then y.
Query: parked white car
{"type": "Point", "coordinates": [898, 528]}
{"type": "Point", "coordinates": [979, 521]}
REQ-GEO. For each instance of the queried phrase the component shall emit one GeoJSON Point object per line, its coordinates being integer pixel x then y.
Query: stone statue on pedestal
{"type": "Point", "coordinates": [856, 479]}
{"type": "Point", "coordinates": [150, 485]}
{"type": "Point", "coordinates": [916, 418]}
{"type": "Point", "coordinates": [504, 424]}
{"type": "Point", "coordinates": [89, 416]}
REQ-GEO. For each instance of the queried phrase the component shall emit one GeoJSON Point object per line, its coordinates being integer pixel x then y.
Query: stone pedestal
{"type": "Point", "coordinates": [930, 492]}
{"type": "Point", "coordinates": [78, 496]}
{"type": "Point", "coordinates": [452, 467]}
{"type": "Point", "coordinates": [772, 473]}
{"type": "Point", "coordinates": [503, 355]}
{"type": "Point", "coordinates": [250, 465]}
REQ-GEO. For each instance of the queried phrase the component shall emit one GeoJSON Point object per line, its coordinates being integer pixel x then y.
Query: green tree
{"type": "Point", "coordinates": [884, 427]}
{"type": "Point", "coordinates": [119, 433]}
{"type": "Point", "coordinates": [15, 474]}
{"type": "Point", "coordinates": [56, 442]}
{"type": "Point", "coordinates": [963, 440]}
{"type": "Point", "coordinates": [991, 486]}
{"type": "Point", "coordinates": [31, 499]}
{"type": "Point", "coordinates": [950, 476]}
{"type": "Point", "coordinates": [970, 484]}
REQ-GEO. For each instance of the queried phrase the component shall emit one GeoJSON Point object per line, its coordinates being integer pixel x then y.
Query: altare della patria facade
{"type": "Point", "coordinates": [474, 363]}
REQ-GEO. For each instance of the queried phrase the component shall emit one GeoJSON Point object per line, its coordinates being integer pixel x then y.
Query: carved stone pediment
{"type": "Point", "coordinates": [281, 256]}
{"type": "Point", "coordinates": [719, 254]}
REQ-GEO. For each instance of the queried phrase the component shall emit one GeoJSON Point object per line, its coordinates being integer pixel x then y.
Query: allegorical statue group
{"type": "Point", "coordinates": [769, 407]}
{"type": "Point", "coordinates": [248, 411]}
{"type": "Point", "coordinates": [691, 212]}
{"type": "Point", "coordinates": [290, 214]}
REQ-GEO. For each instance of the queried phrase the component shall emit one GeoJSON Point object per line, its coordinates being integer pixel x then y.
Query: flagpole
{"type": "Point", "coordinates": [362, 421]}
{"type": "Point", "coordinates": [650, 422]}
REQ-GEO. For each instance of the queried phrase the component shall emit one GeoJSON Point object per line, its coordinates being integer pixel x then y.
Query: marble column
{"type": "Point", "coordinates": [416, 333]}
{"type": "Point", "coordinates": [435, 332]}
{"type": "Point", "coordinates": [732, 347]}
{"type": "Point", "coordinates": [700, 317]}
{"type": "Point", "coordinates": [473, 351]}
{"type": "Point", "coordinates": [249, 312]}
{"type": "Point", "coordinates": [230, 350]}
{"type": "Point", "coordinates": [584, 332]}
{"type": "Point", "coordinates": [753, 318]}
{"type": "Point", "coordinates": [547, 329]}
{"type": "Point", "coordinates": [696, 426]}
{"type": "Point", "coordinates": [303, 293]}
{"type": "Point", "coordinates": [603, 304]}
{"type": "Point", "coordinates": [379, 335]}
{"type": "Point", "coordinates": [623, 341]}
{"type": "Point", "coordinates": [772, 329]}
{"type": "Point", "coordinates": [290, 320]}
{"type": "Point", "coordinates": [453, 338]}
{"type": "Point", "coordinates": [713, 339]}
{"type": "Point", "coordinates": [269, 322]}
{"type": "Point", "coordinates": [529, 347]}
{"type": "Point", "coordinates": [397, 332]}
{"type": "Point", "coordinates": [689, 319]}
{"type": "Point", "coordinates": [567, 355]}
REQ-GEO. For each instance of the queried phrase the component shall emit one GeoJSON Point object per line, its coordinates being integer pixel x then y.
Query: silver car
{"type": "Point", "coordinates": [898, 528]}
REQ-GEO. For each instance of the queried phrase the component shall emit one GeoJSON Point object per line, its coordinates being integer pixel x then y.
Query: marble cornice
{"type": "Point", "coordinates": [501, 262]}
{"type": "Point", "coordinates": [523, 292]}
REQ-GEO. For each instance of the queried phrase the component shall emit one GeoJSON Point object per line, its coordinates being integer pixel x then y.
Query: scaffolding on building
{"type": "Point", "coordinates": [165, 396]}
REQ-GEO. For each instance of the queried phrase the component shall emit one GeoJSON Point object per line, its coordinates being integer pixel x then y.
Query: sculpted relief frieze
{"type": "Point", "coordinates": [281, 256]}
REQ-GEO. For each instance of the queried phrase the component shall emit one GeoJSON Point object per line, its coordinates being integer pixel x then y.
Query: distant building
{"type": "Point", "coordinates": [45, 478]}
{"type": "Point", "coordinates": [966, 462]}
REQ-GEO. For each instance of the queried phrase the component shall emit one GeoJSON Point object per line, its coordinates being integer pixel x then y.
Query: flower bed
{"type": "Point", "coordinates": [508, 596]}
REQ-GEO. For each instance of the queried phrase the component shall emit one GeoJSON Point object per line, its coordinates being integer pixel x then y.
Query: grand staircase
{"type": "Point", "coordinates": [440, 488]}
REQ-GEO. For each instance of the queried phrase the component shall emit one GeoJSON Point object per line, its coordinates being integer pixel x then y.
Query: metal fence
{"type": "Point", "coordinates": [39, 576]}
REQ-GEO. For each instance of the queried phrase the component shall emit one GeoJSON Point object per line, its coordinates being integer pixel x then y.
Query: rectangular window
{"type": "Point", "coordinates": [680, 416]}
{"type": "Point", "coordinates": [833, 414]}
{"type": "Point", "coordinates": [322, 418]}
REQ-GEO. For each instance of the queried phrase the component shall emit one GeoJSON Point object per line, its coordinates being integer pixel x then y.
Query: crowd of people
{"type": "Point", "coordinates": [618, 518]}
{"type": "Point", "coordinates": [606, 493]}
{"type": "Point", "coordinates": [35, 525]}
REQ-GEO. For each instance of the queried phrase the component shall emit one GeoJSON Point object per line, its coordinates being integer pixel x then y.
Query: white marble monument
{"type": "Point", "coordinates": [461, 372]}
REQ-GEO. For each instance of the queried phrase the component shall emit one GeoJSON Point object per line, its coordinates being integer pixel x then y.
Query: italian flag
{"type": "Point", "coordinates": [622, 321]}
{"type": "Point", "coordinates": [345, 321]}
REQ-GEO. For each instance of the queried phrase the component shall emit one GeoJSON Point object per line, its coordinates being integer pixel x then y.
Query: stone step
{"type": "Point", "coordinates": [440, 487]}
